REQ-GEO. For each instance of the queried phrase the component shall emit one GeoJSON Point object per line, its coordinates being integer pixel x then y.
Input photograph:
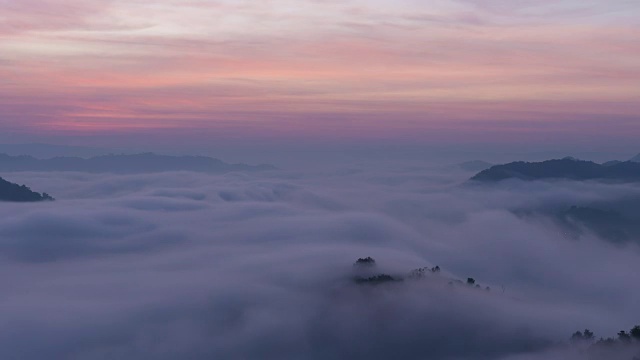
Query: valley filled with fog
{"type": "Point", "coordinates": [261, 265]}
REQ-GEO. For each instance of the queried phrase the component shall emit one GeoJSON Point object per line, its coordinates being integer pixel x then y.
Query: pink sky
{"type": "Point", "coordinates": [320, 69]}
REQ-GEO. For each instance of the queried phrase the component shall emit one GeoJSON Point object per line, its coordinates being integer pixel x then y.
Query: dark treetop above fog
{"type": "Point", "coordinates": [568, 168]}
{"type": "Point", "coordinates": [138, 163]}
{"type": "Point", "coordinates": [19, 193]}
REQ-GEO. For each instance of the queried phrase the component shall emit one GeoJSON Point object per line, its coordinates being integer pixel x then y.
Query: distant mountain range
{"type": "Point", "coordinates": [44, 151]}
{"type": "Point", "coordinates": [20, 193]}
{"type": "Point", "coordinates": [567, 168]}
{"type": "Point", "coordinates": [138, 163]}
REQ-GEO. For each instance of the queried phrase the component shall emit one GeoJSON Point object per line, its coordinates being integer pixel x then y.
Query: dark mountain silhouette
{"type": "Point", "coordinates": [567, 168]}
{"type": "Point", "coordinates": [635, 158]}
{"type": "Point", "coordinates": [20, 193]}
{"type": "Point", "coordinates": [475, 165]}
{"type": "Point", "coordinates": [44, 151]}
{"type": "Point", "coordinates": [138, 163]}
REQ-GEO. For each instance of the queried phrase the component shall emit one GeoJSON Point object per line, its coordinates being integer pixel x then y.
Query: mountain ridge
{"type": "Point", "coordinates": [20, 193]}
{"type": "Point", "coordinates": [134, 163]}
{"type": "Point", "coordinates": [567, 168]}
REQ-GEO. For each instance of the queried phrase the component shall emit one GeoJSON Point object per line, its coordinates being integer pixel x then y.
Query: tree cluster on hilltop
{"type": "Point", "coordinates": [626, 344]}
{"type": "Point", "coordinates": [368, 263]}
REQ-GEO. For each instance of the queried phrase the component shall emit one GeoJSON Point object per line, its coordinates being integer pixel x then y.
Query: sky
{"type": "Point", "coordinates": [562, 73]}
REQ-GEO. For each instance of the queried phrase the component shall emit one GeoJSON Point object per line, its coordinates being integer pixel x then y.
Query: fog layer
{"type": "Point", "coordinates": [197, 266]}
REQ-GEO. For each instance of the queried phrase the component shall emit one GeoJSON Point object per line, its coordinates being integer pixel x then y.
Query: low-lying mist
{"type": "Point", "coordinates": [238, 266]}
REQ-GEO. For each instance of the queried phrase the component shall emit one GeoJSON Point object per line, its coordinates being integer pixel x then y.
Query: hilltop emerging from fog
{"type": "Point", "coordinates": [567, 168]}
{"type": "Point", "coordinates": [138, 163]}
{"type": "Point", "coordinates": [20, 193]}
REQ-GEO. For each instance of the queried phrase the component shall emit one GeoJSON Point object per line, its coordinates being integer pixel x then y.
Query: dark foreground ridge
{"type": "Point", "coordinates": [568, 168]}
{"type": "Point", "coordinates": [20, 193]}
{"type": "Point", "coordinates": [127, 164]}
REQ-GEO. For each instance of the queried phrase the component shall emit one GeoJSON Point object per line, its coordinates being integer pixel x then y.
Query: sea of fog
{"type": "Point", "coordinates": [184, 265]}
